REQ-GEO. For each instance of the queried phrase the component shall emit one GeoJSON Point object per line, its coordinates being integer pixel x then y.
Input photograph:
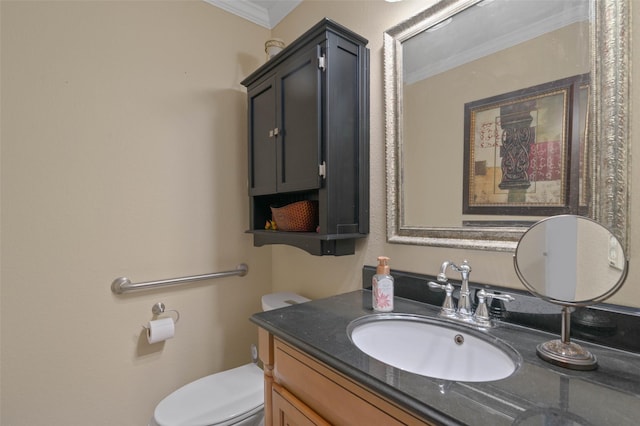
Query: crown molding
{"type": "Point", "coordinates": [267, 13]}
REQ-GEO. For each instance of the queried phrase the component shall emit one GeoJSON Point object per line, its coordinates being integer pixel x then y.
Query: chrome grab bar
{"type": "Point", "coordinates": [124, 285]}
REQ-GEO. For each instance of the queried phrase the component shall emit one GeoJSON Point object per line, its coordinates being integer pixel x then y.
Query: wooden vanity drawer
{"type": "Point", "coordinates": [331, 395]}
{"type": "Point", "coordinates": [290, 411]}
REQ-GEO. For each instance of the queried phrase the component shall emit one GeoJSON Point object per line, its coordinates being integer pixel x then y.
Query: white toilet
{"type": "Point", "coordinates": [232, 397]}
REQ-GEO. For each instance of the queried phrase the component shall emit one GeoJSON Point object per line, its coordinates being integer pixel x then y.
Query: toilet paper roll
{"type": "Point", "coordinates": [160, 330]}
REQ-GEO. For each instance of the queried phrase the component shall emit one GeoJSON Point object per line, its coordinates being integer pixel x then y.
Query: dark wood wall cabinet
{"type": "Point", "coordinates": [308, 110]}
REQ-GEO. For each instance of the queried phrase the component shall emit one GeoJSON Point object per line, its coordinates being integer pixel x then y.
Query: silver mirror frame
{"type": "Point", "coordinates": [609, 166]}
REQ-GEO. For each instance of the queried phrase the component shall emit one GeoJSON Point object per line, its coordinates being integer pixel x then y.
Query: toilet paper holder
{"type": "Point", "coordinates": [159, 309]}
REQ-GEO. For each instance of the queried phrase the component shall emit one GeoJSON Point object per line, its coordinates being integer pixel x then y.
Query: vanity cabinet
{"type": "Point", "coordinates": [300, 390]}
{"type": "Point", "coordinates": [308, 138]}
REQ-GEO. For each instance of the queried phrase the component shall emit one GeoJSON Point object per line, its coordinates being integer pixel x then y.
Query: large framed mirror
{"type": "Point", "coordinates": [462, 169]}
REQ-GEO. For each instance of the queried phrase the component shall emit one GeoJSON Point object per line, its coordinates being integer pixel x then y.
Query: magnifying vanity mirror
{"type": "Point", "coordinates": [500, 113]}
{"type": "Point", "coordinates": [571, 261]}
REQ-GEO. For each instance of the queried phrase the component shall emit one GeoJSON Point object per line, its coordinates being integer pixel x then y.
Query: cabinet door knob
{"type": "Point", "coordinates": [274, 132]}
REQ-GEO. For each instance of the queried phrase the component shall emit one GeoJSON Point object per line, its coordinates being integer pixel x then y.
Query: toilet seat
{"type": "Point", "coordinates": [220, 399]}
{"type": "Point", "coordinates": [281, 300]}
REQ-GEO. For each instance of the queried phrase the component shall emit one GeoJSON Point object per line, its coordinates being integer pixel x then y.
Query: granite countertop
{"type": "Point", "coordinates": [537, 393]}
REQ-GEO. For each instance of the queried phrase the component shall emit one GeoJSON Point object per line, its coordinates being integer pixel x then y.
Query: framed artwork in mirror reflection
{"type": "Point", "coordinates": [521, 147]}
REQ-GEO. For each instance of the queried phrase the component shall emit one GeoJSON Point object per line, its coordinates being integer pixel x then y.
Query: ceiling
{"type": "Point", "coordinates": [486, 28]}
{"type": "Point", "coordinates": [266, 13]}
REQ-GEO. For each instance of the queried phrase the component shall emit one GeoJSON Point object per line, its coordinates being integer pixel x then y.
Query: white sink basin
{"type": "Point", "coordinates": [433, 348]}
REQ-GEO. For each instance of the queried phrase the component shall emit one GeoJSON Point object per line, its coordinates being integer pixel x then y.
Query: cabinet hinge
{"type": "Point", "coordinates": [322, 170]}
{"type": "Point", "coordinates": [322, 62]}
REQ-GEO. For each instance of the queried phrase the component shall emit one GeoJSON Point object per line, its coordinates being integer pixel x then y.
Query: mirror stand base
{"type": "Point", "coordinates": [567, 354]}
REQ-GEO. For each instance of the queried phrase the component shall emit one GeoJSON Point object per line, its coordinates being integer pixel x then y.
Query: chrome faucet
{"type": "Point", "coordinates": [464, 311]}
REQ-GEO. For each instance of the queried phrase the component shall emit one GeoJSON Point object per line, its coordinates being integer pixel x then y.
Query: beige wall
{"type": "Point", "coordinates": [123, 153]}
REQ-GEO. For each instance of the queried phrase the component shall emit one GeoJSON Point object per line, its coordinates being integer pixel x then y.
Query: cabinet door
{"type": "Point", "coordinates": [262, 138]}
{"type": "Point", "coordinates": [290, 411]}
{"type": "Point", "coordinates": [299, 107]}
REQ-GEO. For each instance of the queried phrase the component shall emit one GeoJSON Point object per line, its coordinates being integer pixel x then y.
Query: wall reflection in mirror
{"type": "Point", "coordinates": [498, 116]}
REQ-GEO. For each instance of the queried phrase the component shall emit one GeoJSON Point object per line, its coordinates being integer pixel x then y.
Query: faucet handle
{"type": "Point", "coordinates": [437, 285]}
{"type": "Point", "coordinates": [448, 307]}
{"type": "Point", "coordinates": [505, 297]}
{"type": "Point", "coordinates": [482, 312]}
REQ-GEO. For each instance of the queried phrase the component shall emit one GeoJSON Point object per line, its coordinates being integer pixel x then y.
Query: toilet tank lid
{"type": "Point", "coordinates": [281, 300]}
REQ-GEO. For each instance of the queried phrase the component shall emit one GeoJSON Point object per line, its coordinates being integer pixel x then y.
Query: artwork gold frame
{"type": "Point", "coordinates": [519, 147]}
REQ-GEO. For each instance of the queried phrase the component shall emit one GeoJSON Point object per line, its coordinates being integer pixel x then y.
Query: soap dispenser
{"type": "Point", "coordinates": [382, 287]}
